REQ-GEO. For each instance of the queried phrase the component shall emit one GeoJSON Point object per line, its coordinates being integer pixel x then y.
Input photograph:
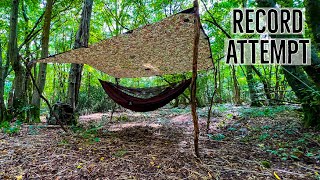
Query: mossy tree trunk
{"type": "Point", "coordinates": [3, 74]}
{"type": "Point", "coordinates": [19, 96]}
{"type": "Point", "coordinates": [307, 93]}
{"type": "Point", "coordinates": [313, 21]}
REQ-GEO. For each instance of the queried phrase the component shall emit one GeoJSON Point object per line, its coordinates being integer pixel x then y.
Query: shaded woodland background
{"type": "Point", "coordinates": [33, 29]}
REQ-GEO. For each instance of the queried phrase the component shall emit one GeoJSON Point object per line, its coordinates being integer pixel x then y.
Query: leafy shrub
{"type": "Point", "coordinates": [7, 128]}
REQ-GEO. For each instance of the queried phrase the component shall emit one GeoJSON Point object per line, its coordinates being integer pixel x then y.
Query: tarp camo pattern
{"type": "Point", "coordinates": [165, 47]}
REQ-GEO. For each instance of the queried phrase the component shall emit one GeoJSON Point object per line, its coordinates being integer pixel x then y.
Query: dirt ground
{"type": "Point", "coordinates": [159, 145]}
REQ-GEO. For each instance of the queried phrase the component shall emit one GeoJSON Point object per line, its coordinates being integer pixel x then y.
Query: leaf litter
{"type": "Point", "coordinates": [159, 145]}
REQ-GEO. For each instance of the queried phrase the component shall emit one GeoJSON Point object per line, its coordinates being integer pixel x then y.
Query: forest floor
{"type": "Point", "coordinates": [242, 143]}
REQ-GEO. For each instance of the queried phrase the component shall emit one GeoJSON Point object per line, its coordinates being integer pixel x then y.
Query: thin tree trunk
{"type": "Point", "coordinates": [27, 83]}
{"type": "Point", "coordinates": [82, 39]}
{"type": "Point", "coordinates": [277, 88]}
{"type": "Point", "coordinates": [89, 86]}
{"type": "Point", "coordinates": [264, 82]}
{"type": "Point", "coordinates": [219, 88]}
{"type": "Point", "coordinates": [252, 89]}
{"type": "Point", "coordinates": [41, 80]}
{"type": "Point", "coordinates": [2, 105]}
{"type": "Point", "coordinates": [209, 112]}
{"type": "Point", "coordinates": [237, 98]}
{"type": "Point", "coordinates": [194, 79]}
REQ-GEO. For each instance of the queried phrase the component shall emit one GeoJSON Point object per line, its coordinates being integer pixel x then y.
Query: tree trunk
{"type": "Point", "coordinates": [27, 83]}
{"type": "Point", "coordinates": [313, 21]}
{"type": "Point", "coordinates": [18, 88]}
{"type": "Point", "coordinates": [43, 66]}
{"type": "Point", "coordinates": [254, 97]}
{"type": "Point", "coordinates": [237, 98]}
{"type": "Point", "coordinates": [264, 82]}
{"type": "Point", "coordinates": [219, 89]}
{"type": "Point", "coordinates": [304, 90]}
{"type": "Point", "coordinates": [2, 81]}
{"type": "Point", "coordinates": [82, 39]}
{"type": "Point", "coordinates": [277, 88]}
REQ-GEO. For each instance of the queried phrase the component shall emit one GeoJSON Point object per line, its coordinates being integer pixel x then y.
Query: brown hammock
{"type": "Point", "coordinates": [144, 93]}
{"type": "Point", "coordinates": [141, 104]}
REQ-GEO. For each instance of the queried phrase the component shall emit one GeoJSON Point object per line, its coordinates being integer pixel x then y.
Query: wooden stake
{"type": "Point", "coordinates": [194, 78]}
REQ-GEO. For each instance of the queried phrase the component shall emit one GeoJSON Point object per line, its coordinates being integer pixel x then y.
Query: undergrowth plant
{"type": "Point", "coordinates": [10, 129]}
{"type": "Point", "coordinates": [89, 133]}
{"type": "Point", "coordinates": [271, 111]}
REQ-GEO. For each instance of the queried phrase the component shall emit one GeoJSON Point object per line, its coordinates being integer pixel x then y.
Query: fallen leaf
{"type": "Point", "coordinates": [276, 175]}
{"type": "Point", "coordinates": [19, 177]}
{"type": "Point", "coordinates": [79, 166]}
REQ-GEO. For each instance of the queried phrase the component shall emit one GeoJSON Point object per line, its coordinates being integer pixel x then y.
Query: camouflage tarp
{"type": "Point", "coordinates": [165, 47]}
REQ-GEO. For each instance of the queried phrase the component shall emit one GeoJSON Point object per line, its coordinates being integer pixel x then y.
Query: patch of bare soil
{"type": "Point", "coordinates": [153, 146]}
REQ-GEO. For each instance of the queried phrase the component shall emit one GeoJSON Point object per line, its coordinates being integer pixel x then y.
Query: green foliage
{"type": "Point", "coordinates": [175, 110]}
{"type": "Point", "coordinates": [264, 136]}
{"type": "Point", "coordinates": [89, 133]}
{"type": "Point", "coordinates": [221, 108]}
{"type": "Point", "coordinates": [217, 137]}
{"type": "Point", "coordinates": [13, 129]}
{"type": "Point", "coordinates": [232, 129]}
{"type": "Point", "coordinates": [266, 164]}
{"type": "Point", "coordinates": [5, 124]}
{"type": "Point", "coordinates": [122, 118]}
{"type": "Point", "coordinates": [96, 101]}
{"type": "Point", "coordinates": [264, 111]}
{"type": "Point", "coordinates": [294, 150]}
{"type": "Point", "coordinates": [286, 153]}
{"type": "Point", "coordinates": [63, 142]}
